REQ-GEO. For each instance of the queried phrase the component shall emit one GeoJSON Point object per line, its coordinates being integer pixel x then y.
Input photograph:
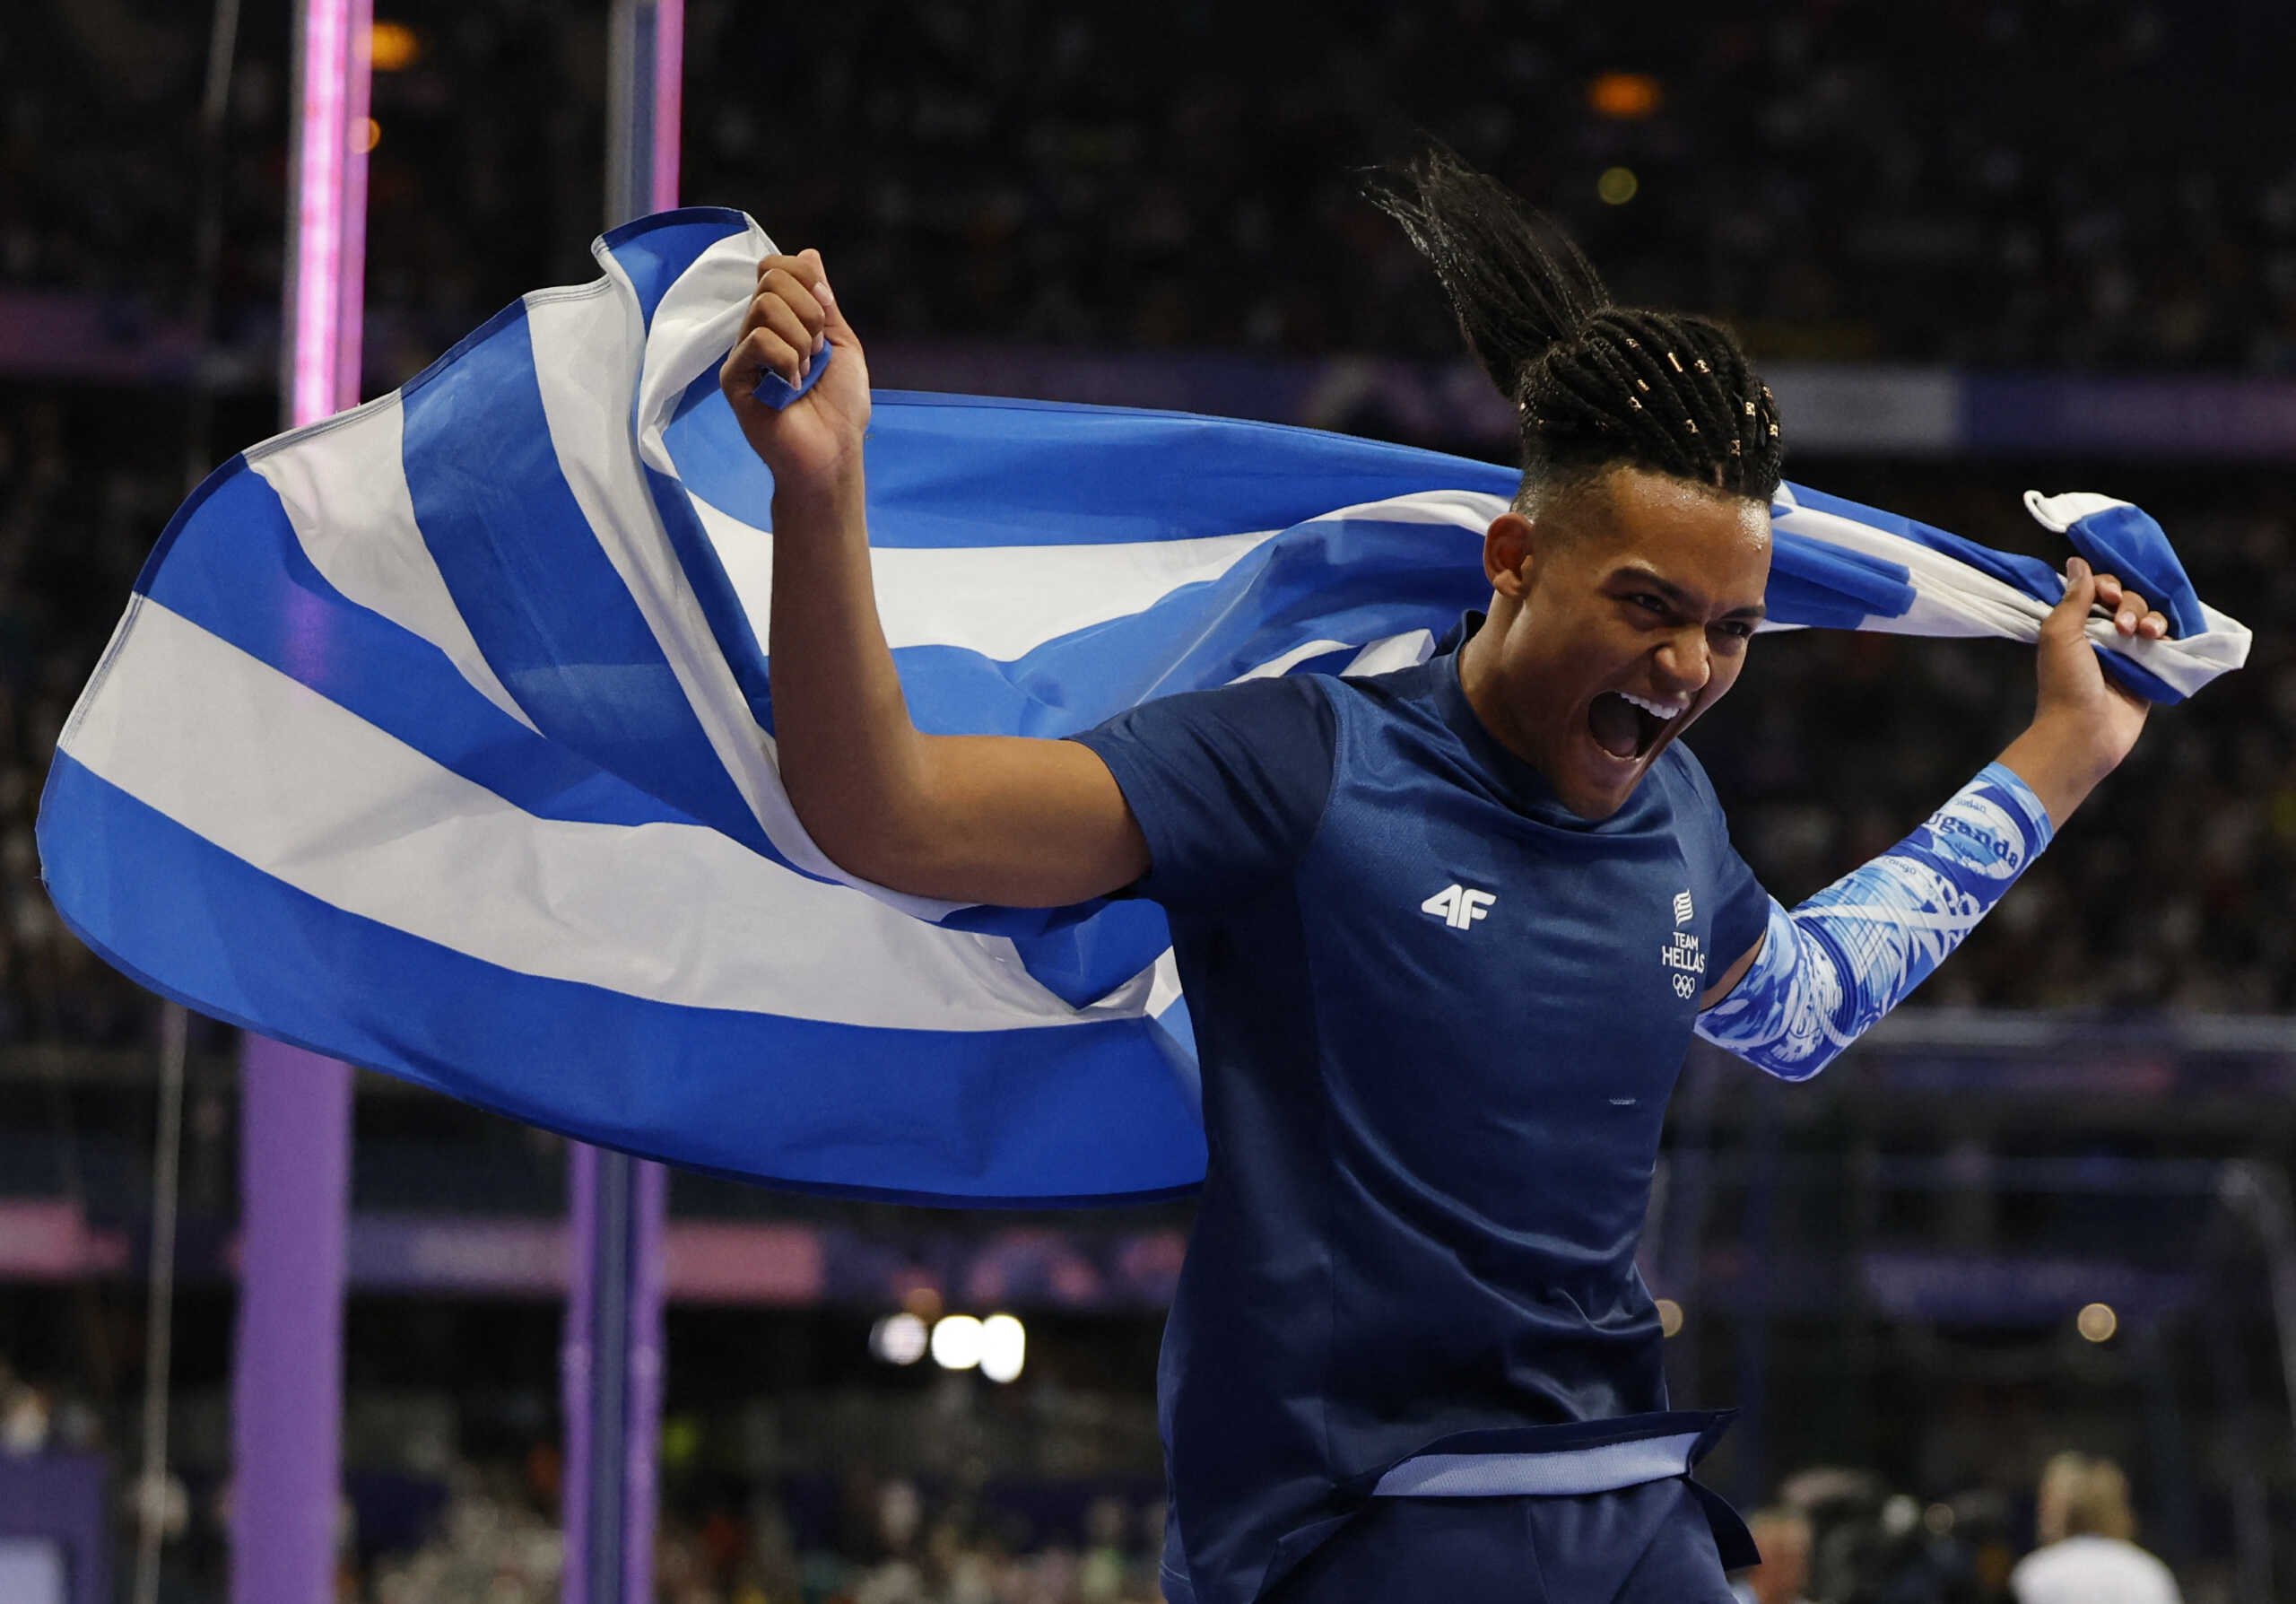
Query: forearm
{"type": "Point", "coordinates": [1001, 819]}
{"type": "Point", "coordinates": [1830, 968]}
{"type": "Point", "coordinates": [851, 760]}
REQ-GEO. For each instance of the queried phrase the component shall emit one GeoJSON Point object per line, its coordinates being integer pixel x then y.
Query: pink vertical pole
{"type": "Point", "coordinates": [669, 103]}
{"type": "Point", "coordinates": [325, 242]}
{"type": "Point", "coordinates": [351, 297]}
{"type": "Point", "coordinates": [295, 1106]}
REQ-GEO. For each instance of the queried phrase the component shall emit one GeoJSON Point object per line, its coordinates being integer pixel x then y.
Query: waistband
{"type": "Point", "coordinates": [1603, 1468]}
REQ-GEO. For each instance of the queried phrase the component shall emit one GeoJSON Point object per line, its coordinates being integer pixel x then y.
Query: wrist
{"type": "Point", "coordinates": [2060, 765]}
{"type": "Point", "coordinates": [834, 494]}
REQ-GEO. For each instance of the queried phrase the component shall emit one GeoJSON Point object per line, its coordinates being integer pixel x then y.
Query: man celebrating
{"type": "Point", "coordinates": [1444, 934]}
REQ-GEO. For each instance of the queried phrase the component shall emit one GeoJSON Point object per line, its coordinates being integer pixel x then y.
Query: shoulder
{"type": "Point", "coordinates": [1228, 785]}
{"type": "Point", "coordinates": [1412, 686]}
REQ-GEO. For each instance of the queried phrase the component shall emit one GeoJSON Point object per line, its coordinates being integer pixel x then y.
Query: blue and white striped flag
{"type": "Point", "coordinates": [437, 736]}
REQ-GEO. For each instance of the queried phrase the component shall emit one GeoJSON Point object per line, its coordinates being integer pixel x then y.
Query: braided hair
{"type": "Point", "coordinates": [1594, 385]}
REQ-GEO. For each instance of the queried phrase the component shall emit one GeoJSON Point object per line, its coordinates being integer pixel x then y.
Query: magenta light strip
{"type": "Point", "coordinates": [669, 80]}
{"type": "Point", "coordinates": [329, 272]}
{"type": "Point", "coordinates": [350, 293]}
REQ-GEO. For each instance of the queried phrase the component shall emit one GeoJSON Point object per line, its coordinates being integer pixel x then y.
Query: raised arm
{"type": "Point", "coordinates": [970, 818]}
{"type": "Point", "coordinates": [1824, 973]}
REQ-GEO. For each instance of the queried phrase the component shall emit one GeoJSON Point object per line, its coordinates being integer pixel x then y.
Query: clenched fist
{"type": "Point", "coordinates": [2083, 723]}
{"type": "Point", "coordinates": [815, 442]}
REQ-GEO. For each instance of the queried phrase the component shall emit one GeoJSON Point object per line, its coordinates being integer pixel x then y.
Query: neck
{"type": "Point", "coordinates": [1480, 678]}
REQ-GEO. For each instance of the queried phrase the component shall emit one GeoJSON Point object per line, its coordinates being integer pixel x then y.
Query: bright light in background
{"type": "Point", "coordinates": [1669, 1317]}
{"type": "Point", "coordinates": [1617, 185]}
{"type": "Point", "coordinates": [1624, 96]}
{"type": "Point", "coordinates": [897, 1340]}
{"type": "Point", "coordinates": [370, 135]}
{"type": "Point", "coordinates": [395, 46]}
{"type": "Point", "coordinates": [2097, 1322]}
{"type": "Point", "coordinates": [956, 1342]}
{"type": "Point", "coordinates": [1003, 1347]}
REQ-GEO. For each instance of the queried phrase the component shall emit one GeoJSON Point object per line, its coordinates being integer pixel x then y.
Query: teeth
{"type": "Point", "coordinates": [1656, 709]}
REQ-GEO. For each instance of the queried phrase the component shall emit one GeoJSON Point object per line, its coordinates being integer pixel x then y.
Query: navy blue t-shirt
{"type": "Point", "coordinates": [1438, 1017]}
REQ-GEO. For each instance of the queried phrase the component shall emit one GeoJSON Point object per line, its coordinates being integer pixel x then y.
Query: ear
{"type": "Point", "coordinates": [1509, 551]}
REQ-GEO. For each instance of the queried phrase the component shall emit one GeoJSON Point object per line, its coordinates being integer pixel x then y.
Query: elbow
{"type": "Point", "coordinates": [868, 841]}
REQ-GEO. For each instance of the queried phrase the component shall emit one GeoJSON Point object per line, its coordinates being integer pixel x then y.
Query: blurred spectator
{"type": "Point", "coordinates": [1783, 1577]}
{"type": "Point", "coordinates": [2016, 184]}
{"type": "Point", "coordinates": [2087, 1556]}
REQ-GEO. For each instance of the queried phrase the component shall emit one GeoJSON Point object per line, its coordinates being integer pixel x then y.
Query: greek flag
{"type": "Point", "coordinates": [439, 736]}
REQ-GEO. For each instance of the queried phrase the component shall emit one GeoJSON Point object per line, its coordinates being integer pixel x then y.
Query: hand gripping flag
{"type": "Point", "coordinates": [437, 736]}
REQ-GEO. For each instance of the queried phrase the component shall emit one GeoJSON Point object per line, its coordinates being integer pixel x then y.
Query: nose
{"type": "Point", "coordinates": [1685, 663]}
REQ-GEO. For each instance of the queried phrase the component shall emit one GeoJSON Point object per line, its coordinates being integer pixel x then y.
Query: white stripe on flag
{"type": "Point", "coordinates": [1002, 601]}
{"type": "Point", "coordinates": [693, 329]}
{"type": "Point", "coordinates": [275, 773]}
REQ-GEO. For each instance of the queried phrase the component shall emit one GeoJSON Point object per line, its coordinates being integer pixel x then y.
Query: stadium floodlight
{"type": "Point", "coordinates": [956, 1342]}
{"type": "Point", "coordinates": [1003, 1347]}
{"type": "Point", "coordinates": [898, 1338]}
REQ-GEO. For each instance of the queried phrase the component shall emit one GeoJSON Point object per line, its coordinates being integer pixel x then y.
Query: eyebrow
{"type": "Point", "coordinates": [1674, 593]}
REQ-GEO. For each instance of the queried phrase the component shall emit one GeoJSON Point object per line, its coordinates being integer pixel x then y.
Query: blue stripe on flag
{"type": "Point", "coordinates": [721, 607]}
{"type": "Point", "coordinates": [239, 572]}
{"type": "Point", "coordinates": [544, 601]}
{"type": "Point", "coordinates": [730, 624]}
{"type": "Point", "coordinates": [1085, 961]}
{"type": "Point", "coordinates": [1827, 587]}
{"type": "Point", "coordinates": [2127, 542]}
{"type": "Point", "coordinates": [1068, 1113]}
{"type": "Point", "coordinates": [968, 471]}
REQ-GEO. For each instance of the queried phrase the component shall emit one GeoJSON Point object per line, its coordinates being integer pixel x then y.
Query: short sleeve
{"type": "Point", "coordinates": [1741, 905]}
{"type": "Point", "coordinates": [1227, 785]}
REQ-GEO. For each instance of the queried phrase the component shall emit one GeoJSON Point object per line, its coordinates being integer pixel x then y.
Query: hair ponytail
{"type": "Point", "coordinates": [1518, 283]}
{"type": "Point", "coordinates": [1594, 384]}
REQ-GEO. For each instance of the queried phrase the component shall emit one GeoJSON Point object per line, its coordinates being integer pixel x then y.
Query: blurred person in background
{"type": "Point", "coordinates": [2087, 1554]}
{"type": "Point", "coordinates": [1783, 1577]}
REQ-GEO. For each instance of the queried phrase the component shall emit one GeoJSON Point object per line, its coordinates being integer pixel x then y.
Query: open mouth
{"type": "Point", "coordinates": [1628, 727]}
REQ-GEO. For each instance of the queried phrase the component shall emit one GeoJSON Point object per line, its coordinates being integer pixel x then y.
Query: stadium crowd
{"type": "Point", "coordinates": [2017, 183]}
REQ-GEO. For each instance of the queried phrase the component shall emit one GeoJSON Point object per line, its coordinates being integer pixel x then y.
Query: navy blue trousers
{"type": "Point", "coordinates": [1643, 1545]}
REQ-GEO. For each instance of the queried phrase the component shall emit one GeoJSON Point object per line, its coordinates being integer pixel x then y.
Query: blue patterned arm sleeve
{"type": "Point", "coordinates": [1834, 965]}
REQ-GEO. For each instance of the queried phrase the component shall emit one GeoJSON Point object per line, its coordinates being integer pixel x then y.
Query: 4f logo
{"type": "Point", "coordinates": [1459, 906]}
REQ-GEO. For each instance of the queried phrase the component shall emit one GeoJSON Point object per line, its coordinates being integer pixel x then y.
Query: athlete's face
{"type": "Point", "coordinates": [1619, 615]}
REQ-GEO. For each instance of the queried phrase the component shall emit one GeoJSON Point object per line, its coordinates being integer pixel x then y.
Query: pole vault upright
{"type": "Point", "coordinates": [611, 1366]}
{"type": "Point", "coordinates": [295, 1106]}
